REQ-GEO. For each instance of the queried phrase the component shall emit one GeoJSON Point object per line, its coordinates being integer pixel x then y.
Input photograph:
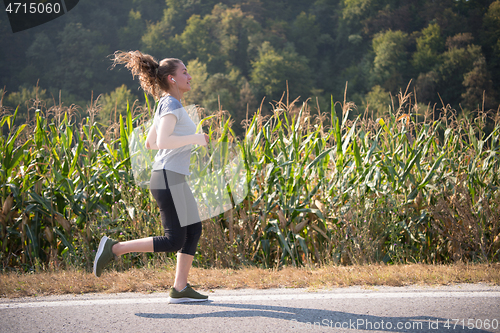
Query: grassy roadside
{"type": "Point", "coordinates": [151, 280]}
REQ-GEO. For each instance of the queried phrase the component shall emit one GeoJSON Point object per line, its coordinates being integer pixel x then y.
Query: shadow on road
{"type": "Point", "coordinates": [303, 318]}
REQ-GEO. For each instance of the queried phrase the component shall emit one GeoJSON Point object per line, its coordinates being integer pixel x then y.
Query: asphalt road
{"type": "Point", "coordinates": [460, 308]}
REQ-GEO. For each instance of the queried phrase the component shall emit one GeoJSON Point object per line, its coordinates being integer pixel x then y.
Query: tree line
{"type": "Point", "coordinates": [241, 53]}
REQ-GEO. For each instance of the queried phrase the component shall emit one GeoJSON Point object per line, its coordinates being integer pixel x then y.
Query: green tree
{"type": "Point", "coordinates": [130, 34]}
{"type": "Point", "coordinates": [425, 86]}
{"type": "Point", "coordinates": [390, 62]}
{"type": "Point", "coordinates": [274, 68]}
{"type": "Point", "coordinates": [220, 39]}
{"type": "Point", "coordinates": [114, 104]}
{"type": "Point", "coordinates": [200, 42]}
{"type": "Point", "coordinates": [151, 10]}
{"type": "Point", "coordinates": [491, 40]}
{"type": "Point", "coordinates": [305, 34]}
{"type": "Point", "coordinates": [159, 39]}
{"type": "Point", "coordinates": [199, 75]}
{"type": "Point", "coordinates": [377, 101]}
{"type": "Point", "coordinates": [231, 91]}
{"type": "Point", "coordinates": [234, 29]}
{"type": "Point", "coordinates": [222, 91]}
{"type": "Point", "coordinates": [27, 100]}
{"type": "Point", "coordinates": [41, 55]}
{"type": "Point", "coordinates": [491, 26]}
{"type": "Point", "coordinates": [82, 65]}
{"type": "Point", "coordinates": [354, 11]}
{"type": "Point", "coordinates": [163, 38]}
{"type": "Point", "coordinates": [430, 46]}
{"type": "Point", "coordinates": [458, 60]}
{"type": "Point", "coordinates": [478, 87]}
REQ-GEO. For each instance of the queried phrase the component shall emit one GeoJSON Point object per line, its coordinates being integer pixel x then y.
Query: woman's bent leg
{"type": "Point", "coordinates": [136, 245]}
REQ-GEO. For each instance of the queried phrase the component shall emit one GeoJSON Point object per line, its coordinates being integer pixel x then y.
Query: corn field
{"type": "Point", "coordinates": [333, 187]}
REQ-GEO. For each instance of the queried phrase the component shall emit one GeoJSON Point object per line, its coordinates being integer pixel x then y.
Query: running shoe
{"type": "Point", "coordinates": [188, 294]}
{"type": "Point", "coordinates": [104, 254]}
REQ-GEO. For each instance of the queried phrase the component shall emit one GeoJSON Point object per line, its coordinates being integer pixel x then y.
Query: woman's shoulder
{"type": "Point", "coordinates": [170, 101]}
{"type": "Point", "coordinates": [169, 104]}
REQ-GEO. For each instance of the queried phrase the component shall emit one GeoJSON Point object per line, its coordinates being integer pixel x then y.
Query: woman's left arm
{"type": "Point", "coordinates": [151, 139]}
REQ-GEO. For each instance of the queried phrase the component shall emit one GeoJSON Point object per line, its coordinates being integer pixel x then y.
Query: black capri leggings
{"type": "Point", "coordinates": [182, 238]}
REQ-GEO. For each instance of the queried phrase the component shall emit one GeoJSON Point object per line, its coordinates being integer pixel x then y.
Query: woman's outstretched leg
{"type": "Point", "coordinates": [109, 248]}
{"type": "Point", "coordinates": [136, 245]}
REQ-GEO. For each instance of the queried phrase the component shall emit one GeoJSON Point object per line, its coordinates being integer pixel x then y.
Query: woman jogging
{"type": "Point", "coordinates": [172, 134]}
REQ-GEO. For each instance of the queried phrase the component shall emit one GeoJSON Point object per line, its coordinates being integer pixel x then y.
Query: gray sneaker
{"type": "Point", "coordinates": [104, 254]}
{"type": "Point", "coordinates": [186, 295]}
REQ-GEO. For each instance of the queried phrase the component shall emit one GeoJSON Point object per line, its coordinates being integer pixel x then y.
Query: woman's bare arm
{"type": "Point", "coordinates": [164, 139]}
{"type": "Point", "coordinates": [151, 139]}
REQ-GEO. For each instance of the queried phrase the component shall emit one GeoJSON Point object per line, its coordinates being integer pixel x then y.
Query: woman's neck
{"type": "Point", "coordinates": [175, 94]}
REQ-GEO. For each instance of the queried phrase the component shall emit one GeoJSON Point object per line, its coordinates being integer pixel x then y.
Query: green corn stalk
{"type": "Point", "coordinates": [314, 193]}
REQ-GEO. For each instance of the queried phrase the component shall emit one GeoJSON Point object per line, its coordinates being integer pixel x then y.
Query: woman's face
{"type": "Point", "coordinates": [182, 78]}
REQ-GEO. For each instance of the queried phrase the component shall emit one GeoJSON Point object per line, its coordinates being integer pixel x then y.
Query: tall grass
{"type": "Point", "coordinates": [324, 187]}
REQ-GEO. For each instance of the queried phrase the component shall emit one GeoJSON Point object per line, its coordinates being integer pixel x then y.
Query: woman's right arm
{"type": "Point", "coordinates": [166, 140]}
